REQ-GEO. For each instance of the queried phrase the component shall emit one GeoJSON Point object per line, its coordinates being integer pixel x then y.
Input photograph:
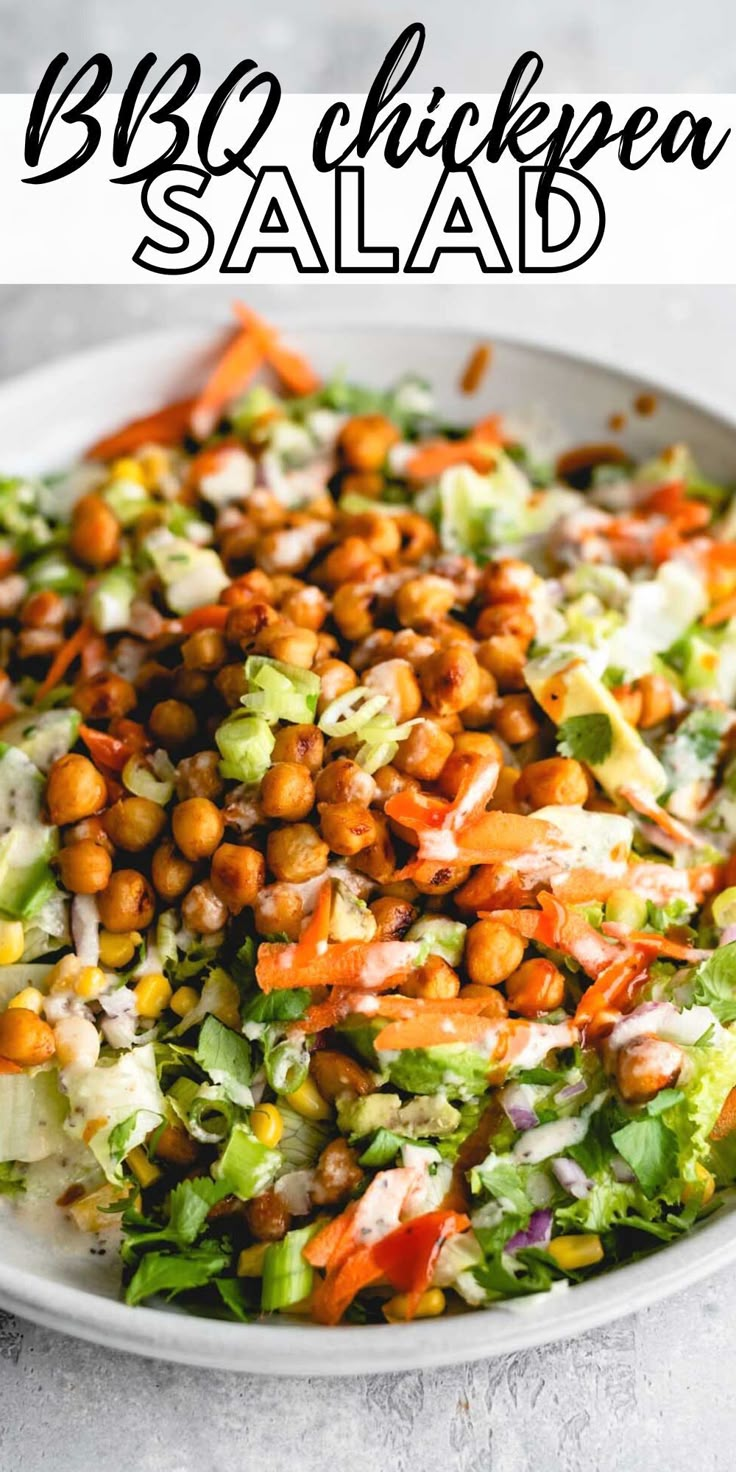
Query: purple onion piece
{"type": "Point", "coordinates": [728, 935]}
{"type": "Point", "coordinates": [572, 1177]}
{"type": "Point", "coordinates": [517, 1107]}
{"type": "Point", "coordinates": [621, 1171]}
{"type": "Point", "coordinates": [571, 1091]}
{"type": "Point", "coordinates": [537, 1234]}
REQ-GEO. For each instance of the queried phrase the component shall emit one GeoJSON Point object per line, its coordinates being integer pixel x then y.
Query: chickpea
{"type": "Point", "coordinates": [230, 683]}
{"type": "Point", "coordinates": [395, 679]}
{"type": "Point", "coordinates": [478, 743]}
{"type": "Point", "coordinates": [342, 780]}
{"type": "Point", "coordinates": [335, 1074]}
{"type": "Point", "coordinates": [25, 1038]}
{"type": "Point", "coordinates": [492, 952]}
{"type": "Point", "coordinates": [504, 658]}
{"type": "Point", "coordinates": [514, 719]}
{"type": "Point", "coordinates": [644, 1066]}
{"type": "Point", "coordinates": [506, 579]}
{"type": "Point", "coordinates": [287, 792]}
{"type": "Point", "coordinates": [435, 979]}
{"type": "Point", "coordinates": [336, 678]}
{"type": "Point", "coordinates": [656, 701]}
{"type": "Point", "coordinates": [337, 1175]}
{"type": "Point", "coordinates": [389, 780]}
{"type": "Point", "coordinates": [307, 607]}
{"type": "Point", "coordinates": [91, 830]}
{"type": "Point", "coordinates": [77, 1043]}
{"type": "Point", "coordinates": [393, 917]}
{"type": "Point", "coordinates": [478, 713]}
{"type": "Point", "coordinates": [347, 827]}
{"type": "Point", "coordinates": [418, 536]}
{"type": "Point", "coordinates": [504, 798]}
{"type": "Point", "coordinates": [174, 1145]}
{"type": "Point", "coordinates": [351, 561]}
{"type": "Point", "coordinates": [457, 766]}
{"type": "Point", "coordinates": [204, 650]}
{"type": "Point", "coordinates": [173, 723]}
{"type": "Point", "coordinates": [104, 696]}
{"type": "Point", "coordinates": [364, 442]}
{"type": "Point", "coordinates": [277, 910]}
{"type": "Point", "coordinates": [85, 867]}
{"type": "Point", "coordinates": [199, 776]}
{"type": "Point", "coordinates": [630, 702]}
{"type": "Point", "coordinates": [378, 530]}
{"type": "Point", "coordinates": [75, 789]}
{"type": "Point", "coordinates": [296, 852]}
{"type": "Point", "coordinates": [378, 861]}
{"type": "Point", "coordinates": [439, 878]}
{"type": "Point", "coordinates": [327, 648]}
{"type": "Point", "coordinates": [253, 584]}
{"type": "Point", "coordinates": [352, 610]}
{"type": "Point", "coordinates": [153, 679]}
{"type": "Point", "coordinates": [198, 827]}
{"type": "Point", "coordinates": [424, 752]}
{"type": "Point", "coordinates": [558, 780]}
{"type": "Point", "coordinates": [43, 610]}
{"type": "Point", "coordinates": [127, 903]}
{"type": "Point", "coordinates": [304, 744]}
{"type": "Point", "coordinates": [290, 645]}
{"type": "Point", "coordinates": [202, 910]}
{"type": "Point", "coordinates": [134, 823]}
{"type": "Point", "coordinates": [368, 483]}
{"type": "Point", "coordinates": [246, 621]}
{"type": "Point", "coordinates": [509, 620]}
{"type": "Point", "coordinates": [422, 598]}
{"type": "Point", "coordinates": [172, 874]}
{"type": "Point", "coordinates": [494, 1004]}
{"type": "Point", "coordinates": [450, 679]}
{"type": "Point", "coordinates": [95, 534]}
{"type": "Point", "coordinates": [267, 1217]}
{"type": "Point", "coordinates": [189, 685]}
{"type": "Point", "coordinates": [237, 875]}
{"type": "Point", "coordinates": [536, 986]}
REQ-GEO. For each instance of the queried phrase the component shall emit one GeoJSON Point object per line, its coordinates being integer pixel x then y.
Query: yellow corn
{"type": "Point", "coordinates": [127, 469]}
{"type": "Point", "coordinates": [307, 1101]}
{"type": "Point", "coordinates": [267, 1125]}
{"type": "Point", "coordinates": [31, 999]}
{"type": "Point", "coordinates": [90, 983]}
{"type": "Point", "coordinates": [430, 1306]}
{"type": "Point", "coordinates": [251, 1260]}
{"type": "Point", "coordinates": [62, 977]}
{"type": "Point", "coordinates": [143, 1169]}
{"type": "Point", "coordinates": [118, 950]}
{"type": "Point", "coordinates": [152, 994]}
{"type": "Point", "coordinates": [11, 942]}
{"type": "Point", "coordinates": [577, 1251]}
{"type": "Point", "coordinates": [183, 1000]}
{"type": "Point", "coordinates": [153, 466]}
{"type": "Point", "coordinates": [704, 1187]}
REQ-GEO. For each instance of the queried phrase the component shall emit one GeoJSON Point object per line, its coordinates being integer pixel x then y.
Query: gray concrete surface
{"type": "Point", "coordinates": [654, 1391]}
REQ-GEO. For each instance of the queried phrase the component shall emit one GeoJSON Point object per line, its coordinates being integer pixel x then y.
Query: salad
{"type": "Point", "coordinates": [367, 806]}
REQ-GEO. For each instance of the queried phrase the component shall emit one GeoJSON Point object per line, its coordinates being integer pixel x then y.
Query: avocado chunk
{"type": "Point", "coordinates": [426, 1116]}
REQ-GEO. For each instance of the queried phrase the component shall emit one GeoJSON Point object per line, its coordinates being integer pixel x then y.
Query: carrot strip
{"type": "Point", "coordinates": [656, 945]}
{"type": "Point", "coordinates": [436, 1030]}
{"type": "Point", "coordinates": [726, 1121]}
{"type": "Point", "coordinates": [674, 829]}
{"type": "Point", "coordinates": [7, 711]}
{"type": "Point", "coordinates": [720, 612]}
{"type": "Point", "coordinates": [296, 374]}
{"type": "Point", "coordinates": [210, 616]}
{"type": "Point", "coordinates": [562, 929]}
{"type": "Point", "coordinates": [479, 450]}
{"type": "Point", "coordinates": [613, 990]}
{"type": "Point", "coordinates": [476, 368]}
{"type": "Point", "coordinates": [65, 657]}
{"type": "Point", "coordinates": [368, 964]}
{"type": "Point", "coordinates": [105, 750]}
{"type": "Point", "coordinates": [166, 427]}
{"type": "Point", "coordinates": [237, 366]}
{"type": "Point", "coordinates": [326, 1243]}
{"type": "Point", "coordinates": [313, 939]}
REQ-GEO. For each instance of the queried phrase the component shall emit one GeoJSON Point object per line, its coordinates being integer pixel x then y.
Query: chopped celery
{"type": "Point", "coordinates": [248, 1166]}
{"type": "Point", "coordinates": [287, 1278]}
{"type": "Point", "coordinates": [245, 744]}
{"type": "Point", "coordinates": [109, 605]}
{"type": "Point", "coordinates": [280, 692]}
{"type": "Point", "coordinates": [192, 576]}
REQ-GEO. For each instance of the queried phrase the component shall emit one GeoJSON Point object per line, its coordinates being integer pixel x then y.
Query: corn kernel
{"type": "Point", "coordinates": [577, 1251]}
{"type": "Point", "coordinates": [127, 469]}
{"type": "Point", "coordinates": [143, 1169]}
{"type": "Point", "coordinates": [11, 942]}
{"type": "Point", "coordinates": [307, 1101]}
{"type": "Point", "coordinates": [153, 465]}
{"type": "Point", "coordinates": [251, 1260]}
{"type": "Point", "coordinates": [62, 977]}
{"type": "Point", "coordinates": [90, 983]}
{"type": "Point", "coordinates": [430, 1306]}
{"type": "Point", "coordinates": [152, 994]}
{"type": "Point", "coordinates": [118, 950]}
{"type": "Point", "coordinates": [31, 999]}
{"type": "Point", "coordinates": [183, 1000]}
{"type": "Point", "coordinates": [267, 1125]}
{"type": "Point", "coordinates": [703, 1189]}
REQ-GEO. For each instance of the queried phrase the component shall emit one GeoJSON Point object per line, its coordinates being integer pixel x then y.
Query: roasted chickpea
{"type": "Point", "coordinates": [253, 584]}
{"type": "Point", "coordinates": [537, 986]}
{"type": "Point", "coordinates": [418, 536]}
{"type": "Point", "coordinates": [457, 766]}
{"type": "Point", "coordinates": [237, 875]}
{"type": "Point", "coordinates": [336, 1074]}
{"type": "Point", "coordinates": [204, 650]}
{"type": "Point", "coordinates": [287, 792]}
{"type": "Point", "coordinates": [558, 780]}
{"type": "Point", "coordinates": [288, 644]}
{"type": "Point", "coordinates": [492, 952]}
{"type": "Point", "coordinates": [174, 1145]}
{"type": "Point", "coordinates": [352, 610]}
{"type": "Point", "coordinates": [230, 683]}
{"type": "Point", "coordinates": [189, 685]}
{"type": "Point", "coordinates": [85, 867]}
{"type": "Point", "coordinates": [75, 789]}
{"type": "Point", "coordinates": [303, 744]}
{"type": "Point", "coordinates": [395, 679]}
{"type": "Point", "coordinates": [198, 827]}
{"type": "Point", "coordinates": [134, 823]}
{"type": "Point", "coordinates": [630, 702]}
{"type": "Point", "coordinates": [173, 723]}
{"type": "Point", "coordinates": [199, 776]}
{"type": "Point", "coordinates": [296, 852]}
{"type": "Point", "coordinates": [202, 910]}
{"type": "Point", "coordinates": [435, 879]}
{"type": "Point", "coordinates": [336, 678]}
{"type": "Point", "coordinates": [478, 713]}
{"type": "Point", "coordinates": [342, 780]}
{"type": "Point", "coordinates": [393, 917]}
{"type": "Point", "coordinates": [172, 874]}
{"type": "Point", "coordinates": [364, 442]}
{"type": "Point", "coordinates": [494, 1002]}
{"type": "Point", "coordinates": [644, 1066]}
{"type": "Point", "coordinates": [25, 1039]}
{"type": "Point", "coordinates": [504, 799]}
{"type": "Point", "coordinates": [389, 780]}
{"type": "Point", "coordinates": [277, 910]}
{"type": "Point", "coordinates": [351, 561]}
{"type": "Point", "coordinates": [435, 979]}
{"type": "Point", "coordinates": [656, 701]}
{"type": "Point", "coordinates": [246, 621]}
{"type": "Point", "coordinates": [504, 658]}
{"type": "Point", "coordinates": [450, 679]}
{"type": "Point", "coordinates": [305, 606]}
{"type": "Point", "coordinates": [378, 530]}
{"type": "Point", "coordinates": [514, 719]}
{"type": "Point", "coordinates": [423, 599]}
{"type": "Point", "coordinates": [508, 620]}
{"type": "Point", "coordinates": [378, 861]}
{"type": "Point", "coordinates": [424, 752]}
{"type": "Point", "coordinates": [104, 696]}
{"type": "Point", "coordinates": [127, 903]}
{"type": "Point", "coordinates": [91, 830]}
{"type": "Point", "coordinates": [337, 1175]}
{"type": "Point", "coordinates": [369, 483]}
{"type": "Point", "coordinates": [267, 1217]}
{"type": "Point", "coordinates": [347, 827]}
{"type": "Point", "coordinates": [95, 533]}
{"type": "Point", "coordinates": [506, 579]}
{"type": "Point", "coordinates": [43, 610]}
{"type": "Point", "coordinates": [478, 743]}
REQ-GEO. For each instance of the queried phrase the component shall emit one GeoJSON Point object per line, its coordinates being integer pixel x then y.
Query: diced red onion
{"type": "Point", "coordinates": [537, 1234]}
{"type": "Point", "coordinates": [517, 1105]}
{"type": "Point", "coordinates": [572, 1177]}
{"type": "Point", "coordinates": [571, 1091]}
{"type": "Point", "coordinates": [85, 923]}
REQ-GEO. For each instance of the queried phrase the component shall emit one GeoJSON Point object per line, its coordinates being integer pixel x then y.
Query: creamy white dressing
{"type": "Point", "coordinates": [549, 1139]}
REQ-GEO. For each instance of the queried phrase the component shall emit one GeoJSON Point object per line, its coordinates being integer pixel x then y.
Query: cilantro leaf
{"type": "Point", "coordinates": [120, 1137]}
{"type": "Point", "coordinates": [650, 1148]}
{"type": "Point", "coordinates": [171, 1274]}
{"type": "Point", "coordinates": [234, 1295]}
{"type": "Point", "coordinates": [225, 1056]}
{"type": "Point", "coordinates": [284, 1006]}
{"type": "Point", "coordinates": [586, 738]}
{"type": "Point", "coordinates": [714, 983]}
{"type": "Point", "coordinates": [189, 1205]}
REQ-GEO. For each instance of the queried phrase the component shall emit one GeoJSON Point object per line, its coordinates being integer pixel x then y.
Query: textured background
{"type": "Point", "coordinates": [655, 1390]}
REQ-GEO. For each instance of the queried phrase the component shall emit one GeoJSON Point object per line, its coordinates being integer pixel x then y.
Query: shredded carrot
{"type": "Point", "coordinates": [70, 650]}
{"type": "Point", "coordinates": [313, 939]}
{"type": "Point", "coordinates": [726, 1121]}
{"type": "Point", "coordinates": [105, 750]}
{"type": "Point", "coordinates": [657, 945]}
{"type": "Point", "coordinates": [211, 616]}
{"type": "Point", "coordinates": [476, 368]}
{"type": "Point", "coordinates": [479, 450]}
{"type": "Point", "coordinates": [561, 928]}
{"type": "Point", "coordinates": [7, 711]}
{"type": "Point", "coordinates": [613, 990]}
{"type": "Point", "coordinates": [238, 365]}
{"type": "Point", "coordinates": [166, 427]}
{"type": "Point", "coordinates": [296, 374]}
{"type": "Point", "coordinates": [436, 1030]}
{"type": "Point", "coordinates": [8, 561]}
{"type": "Point", "coordinates": [648, 808]}
{"type": "Point", "coordinates": [721, 612]}
{"type": "Point", "coordinates": [368, 964]}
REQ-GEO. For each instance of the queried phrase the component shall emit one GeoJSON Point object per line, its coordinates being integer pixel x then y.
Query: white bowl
{"type": "Point", "coordinates": [46, 418]}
